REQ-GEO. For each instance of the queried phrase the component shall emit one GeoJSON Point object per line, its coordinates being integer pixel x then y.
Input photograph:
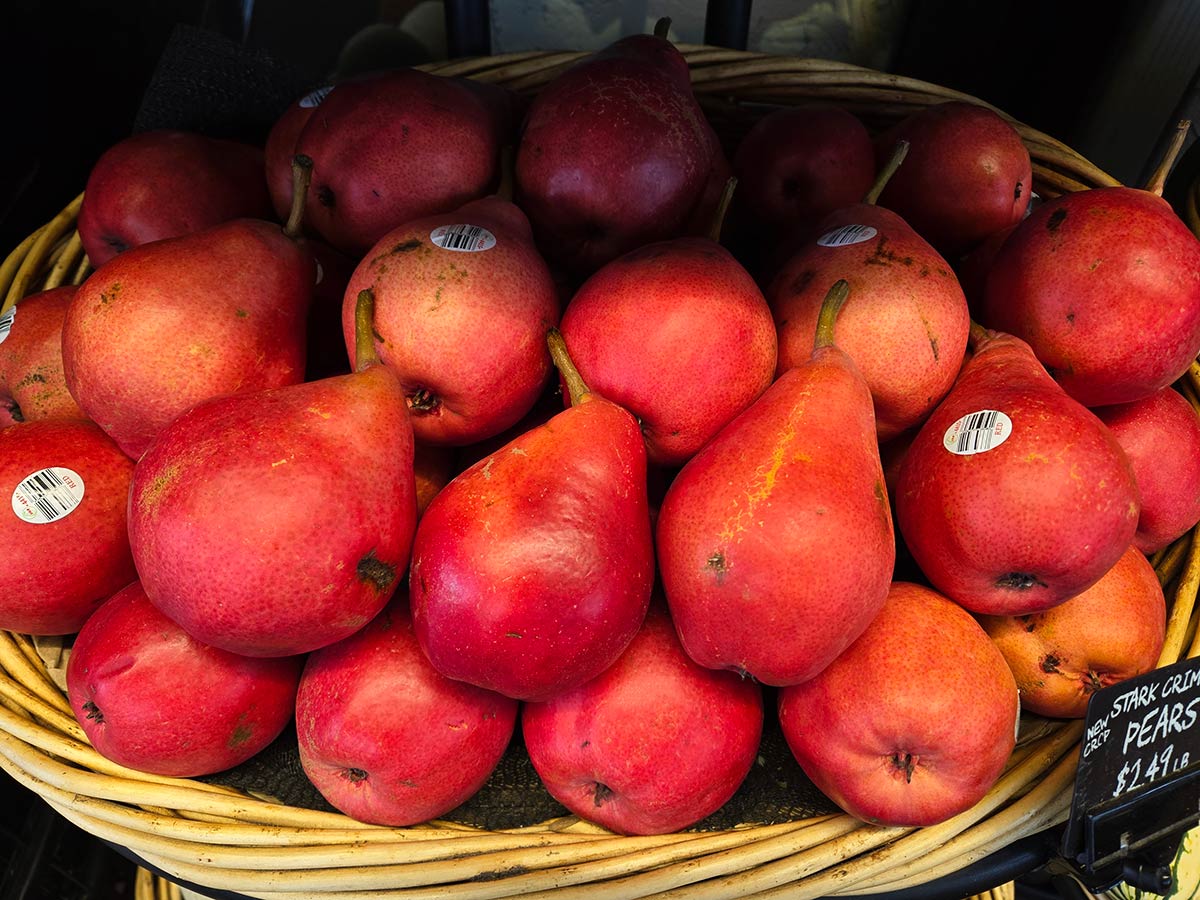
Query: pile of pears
{"type": "Point", "coordinates": [452, 411]}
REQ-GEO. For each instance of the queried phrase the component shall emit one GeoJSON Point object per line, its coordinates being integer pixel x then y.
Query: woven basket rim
{"type": "Point", "coordinates": [228, 840]}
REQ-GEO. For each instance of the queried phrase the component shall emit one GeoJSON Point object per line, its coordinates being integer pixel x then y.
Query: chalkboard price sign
{"type": "Point", "coordinates": [1138, 781]}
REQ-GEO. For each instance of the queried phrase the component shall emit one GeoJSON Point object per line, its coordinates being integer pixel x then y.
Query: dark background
{"type": "Point", "coordinates": [1107, 78]}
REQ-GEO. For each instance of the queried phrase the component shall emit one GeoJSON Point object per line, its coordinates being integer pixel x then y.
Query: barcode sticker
{"type": "Point", "coordinates": [6, 321]}
{"type": "Point", "coordinates": [977, 433]}
{"type": "Point", "coordinates": [464, 238]}
{"type": "Point", "coordinates": [846, 235]}
{"type": "Point", "coordinates": [47, 495]}
{"type": "Point", "coordinates": [308, 101]}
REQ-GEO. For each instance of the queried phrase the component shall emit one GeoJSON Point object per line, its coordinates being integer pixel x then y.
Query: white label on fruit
{"type": "Point", "coordinates": [846, 235]}
{"type": "Point", "coordinates": [308, 101]}
{"type": "Point", "coordinates": [464, 238]}
{"type": "Point", "coordinates": [47, 495]}
{"type": "Point", "coordinates": [6, 321]}
{"type": "Point", "coordinates": [977, 433]}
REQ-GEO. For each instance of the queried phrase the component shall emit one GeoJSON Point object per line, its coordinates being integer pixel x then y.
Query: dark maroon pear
{"type": "Point", "coordinates": [968, 174]}
{"type": "Point", "coordinates": [1104, 285]}
{"type": "Point", "coordinates": [32, 383]}
{"type": "Point", "coordinates": [1013, 497]}
{"type": "Point", "coordinates": [531, 571]}
{"type": "Point", "coordinates": [280, 148]}
{"type": "Point", "coordinates": [796, 165]}
{"type": "Point", "coordinates": [393, 147]}
{"type": "Point", "coordinates": [615, 153]}
{"type": "Point", "coordinates": [775, 541]}
{"type": "Point", "coordinates": [503, 106]}
{"type": "Point", "coordinates": [162, 184]}
{"type": "Point", "coordinates": [276, 522]}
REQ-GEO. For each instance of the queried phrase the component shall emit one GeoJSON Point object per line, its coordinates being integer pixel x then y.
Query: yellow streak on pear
{"type": "Point", "coordinates": [764, 479]}
{"type": "Point", "coordinates": [149, 498]}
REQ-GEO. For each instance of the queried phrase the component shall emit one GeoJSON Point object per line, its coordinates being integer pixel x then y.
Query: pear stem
{"type": "Point", "coordinates": [662, 26]}
{"type": "Point", "coordinates": [834, 300]}
{"type": "Point", "coordinates": [365, 354]}
{"type": "Point", "coordinates": [976, 336]}
{"type": "Point", "coordinates": [1158, 179]}
{"type": "Point", "coordinates": [718, 221]}
{"type": "Point", "coordinates": [302, 167]}
{"type": "Point", "coordinates": [576, 387]}
{"type": "Point", "coordinates": [885, 174]}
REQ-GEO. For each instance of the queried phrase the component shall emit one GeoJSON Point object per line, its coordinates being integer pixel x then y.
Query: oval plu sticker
{"type": "Point", "coordinates": [47, 495]}
{"type": "Point", "coordinates": [977, 432]}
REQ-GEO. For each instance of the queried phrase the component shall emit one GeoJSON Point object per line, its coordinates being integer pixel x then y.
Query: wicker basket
{"type": "Point", "coordinates": [228, 840]}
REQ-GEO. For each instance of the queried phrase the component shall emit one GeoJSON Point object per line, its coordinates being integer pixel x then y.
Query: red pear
{"type": "Point", "coordinates": [906, 323]}
{"type": "Point", "coordinates": [914, 722]}
{"type": "Point", "coordinates": [968, 174]}
{"type": "Point", "coordinates": [64, 486]}
{"type": "Point", "coordinates": [463, 301]}
{"type": "Point", "coordinates": [173, 322]}
{"type": "Point", "coordinates": [32, 383]}
{"type": "Point", "coordinates": [276, 522]}
{"type": "Point", "coordinates": [775, 541]}
{"type": "Point", "coordinates": [1111, 632]}
{"type": "Point", "coordinates": [1013, 497]}
{"type": "Point", "coordinates": [1161, 437]}
{"type": "Point", "coordinates": [678, 333]}
{"type": "Point", "coordinates": [163, 184]}
{"type": "Point", "coordinates": [1104, 285]}
{"type": "Point", "coordinates": [384, 737]}
{"type": "Point", "coordinates": [651, 745]}
{"type": "Point", "coordinates": [531, 571]}
{"type": "Point", "coordinates": [154, 699]}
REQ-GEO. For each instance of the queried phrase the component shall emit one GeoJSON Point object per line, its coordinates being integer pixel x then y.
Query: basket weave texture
{"type": "Point", "coordinates": [231, 840]}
